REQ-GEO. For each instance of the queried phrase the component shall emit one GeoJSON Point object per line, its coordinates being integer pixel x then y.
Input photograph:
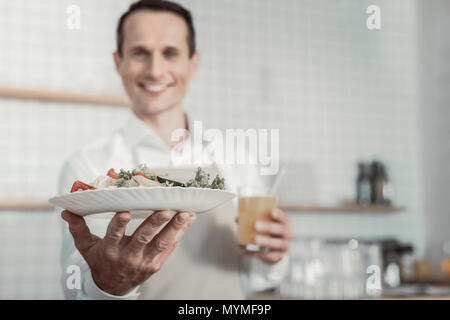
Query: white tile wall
{"type": "Point", "coordinates": [435, 124]}
{"type": "Point", "coordinates": [337, 91]}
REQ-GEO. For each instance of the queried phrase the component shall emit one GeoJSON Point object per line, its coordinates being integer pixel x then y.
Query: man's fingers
{"type": "Point", "coordinates": [278, 215]}
{"type": "Point", "coordinates": [273, 228]}
{"type": "Point", "coordinates": [168, 238]}
{"type": "Point", "coordinates": [116, 228]}
{"type": "Point", "coordinates": [80, 232]}
{"type": "Point", "coordinates": [147, 229]}
{"type": "Point", "coordinates": [275, 235]}
{"type": "Point", "coordinates": [272, 243]}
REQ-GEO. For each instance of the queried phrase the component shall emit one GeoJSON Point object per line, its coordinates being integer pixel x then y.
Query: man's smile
{"type": "Point", "coordinates": [155, 88]}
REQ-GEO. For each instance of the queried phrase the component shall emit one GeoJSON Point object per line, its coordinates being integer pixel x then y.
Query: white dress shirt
{"type": "Point", "coordinates": [206, 264]}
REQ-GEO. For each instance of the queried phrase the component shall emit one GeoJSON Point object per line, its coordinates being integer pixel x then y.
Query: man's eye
{"type": "Point", "coordinates": [140, 53]}
{"type": "Point", "coordinates": [170, 54]}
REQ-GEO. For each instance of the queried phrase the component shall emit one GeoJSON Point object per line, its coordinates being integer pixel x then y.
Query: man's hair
{"type": "Point", "coordinates": [161, 6]}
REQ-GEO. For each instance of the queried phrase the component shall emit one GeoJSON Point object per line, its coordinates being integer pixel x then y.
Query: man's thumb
{"type": "Point", "coordinates": [79, 230]}
{"type": "Point", "coordinates": [66, 215]}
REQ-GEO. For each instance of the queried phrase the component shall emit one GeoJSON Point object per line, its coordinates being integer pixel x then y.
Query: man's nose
{"type": "Point", "coordinates": [156, 67]}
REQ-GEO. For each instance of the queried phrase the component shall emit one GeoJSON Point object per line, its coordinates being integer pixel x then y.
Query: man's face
{"type": "Point", "coordinates": [155, 66]}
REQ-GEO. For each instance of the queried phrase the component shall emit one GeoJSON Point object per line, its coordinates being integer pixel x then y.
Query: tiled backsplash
{"type": "Point", "coordinates": [435, 123]}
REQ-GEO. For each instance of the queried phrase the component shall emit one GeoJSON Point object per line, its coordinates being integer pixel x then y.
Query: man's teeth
{"type": "Point", "coordinates": [155, 88]}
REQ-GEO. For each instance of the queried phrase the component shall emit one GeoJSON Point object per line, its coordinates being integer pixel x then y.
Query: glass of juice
{"type": "Point", "coordinates": [255, 204]}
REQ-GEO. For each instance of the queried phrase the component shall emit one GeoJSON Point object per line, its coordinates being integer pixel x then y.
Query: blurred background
{"type": "Point", "coordinates": [365, 113]}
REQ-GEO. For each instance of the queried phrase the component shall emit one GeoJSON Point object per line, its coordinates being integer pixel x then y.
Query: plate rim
{"type": "Point", "coordinates": [140, 188]}
{"type": "Point", "coordinates": [70, 196]}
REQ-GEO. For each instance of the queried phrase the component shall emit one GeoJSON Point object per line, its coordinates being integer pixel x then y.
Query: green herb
{"type": "Point", "coordinates": [201, 180]}
{"type": "Point", "coordinates": [218, 183]}
{"type": "Point", "coordinates": [124, 176]}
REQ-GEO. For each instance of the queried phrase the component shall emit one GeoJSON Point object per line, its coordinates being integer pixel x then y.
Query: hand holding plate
{"type": "Point", "coordinates": [119, 263]}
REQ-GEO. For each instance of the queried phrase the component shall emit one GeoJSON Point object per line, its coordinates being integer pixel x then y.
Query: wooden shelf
{"type": "Point", "coordinates": [435, 281]}
{"type": "Point", "coordinates": [345, 208]}
{"type": "Point", "coordinates": [25, 206]}
{"type": "Point", "coordinates": [63, 96]}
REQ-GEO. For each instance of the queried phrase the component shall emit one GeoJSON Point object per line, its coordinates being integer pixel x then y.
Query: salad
{"type": "Point", "coordinates": [143, 177]}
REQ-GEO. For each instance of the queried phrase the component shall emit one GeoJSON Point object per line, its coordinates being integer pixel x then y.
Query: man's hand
{"type": "Point", "coordinates": [118, 262]}
{"type": "Point", "coordinates": [276, 237]}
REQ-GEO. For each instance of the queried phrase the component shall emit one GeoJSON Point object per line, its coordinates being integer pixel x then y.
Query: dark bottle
{"type": "Point", "coordinates": [379, 182]}
{"type": "Point", "coordinates": [364, 185]}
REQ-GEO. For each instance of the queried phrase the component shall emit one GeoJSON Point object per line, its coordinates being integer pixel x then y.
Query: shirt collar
{"type": "Point", "coordinates": [136, 131]}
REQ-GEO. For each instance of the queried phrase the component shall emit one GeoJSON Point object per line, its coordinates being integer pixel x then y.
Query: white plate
{"type": "Point", "coordinates": [87, 202]}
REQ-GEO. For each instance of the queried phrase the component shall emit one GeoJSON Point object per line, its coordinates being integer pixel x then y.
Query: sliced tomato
{"type": "Point", "coordinates": [112, 173]}
{"type": "Point", "coordinates": [78, 185]}
{"type": "Point", "coordinates": [141, 174]}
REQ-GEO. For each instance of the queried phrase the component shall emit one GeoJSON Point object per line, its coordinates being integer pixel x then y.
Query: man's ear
{"type": "Point", "coordinates": [195, 62]}
{"type": "Point", "coordinates": [117, 60]}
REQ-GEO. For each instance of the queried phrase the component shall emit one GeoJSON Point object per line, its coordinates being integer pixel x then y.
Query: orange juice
{"type": "Point", "coordinates": [252, 209]}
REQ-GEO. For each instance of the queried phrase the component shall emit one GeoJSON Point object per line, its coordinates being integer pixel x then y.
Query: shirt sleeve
{"type": "Point", "coordinates": [90, 291]}
{"type": "Point", "coordinates": [259, 276]}
{"type": "Point", "coordinates": [70, 256]}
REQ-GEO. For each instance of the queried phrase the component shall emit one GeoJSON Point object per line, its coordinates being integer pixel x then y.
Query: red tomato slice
{"type": "Point", "coordinates": [141, 174]}
{"type": "Point", "coordinates": [112, 174]}
{"type": "Point", "coordinates": [78, 185]}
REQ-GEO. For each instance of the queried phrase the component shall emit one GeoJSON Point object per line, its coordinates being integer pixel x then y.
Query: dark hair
{"type": "Point", "coordinates": [159, 5]}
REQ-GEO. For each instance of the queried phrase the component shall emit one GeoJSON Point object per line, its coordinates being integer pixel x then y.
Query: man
{"type": "Point", "coordinates": [156, 58]}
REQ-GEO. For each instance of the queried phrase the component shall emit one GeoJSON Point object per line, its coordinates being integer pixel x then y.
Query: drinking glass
{"type": "Point", "coordinates": [255, 204]}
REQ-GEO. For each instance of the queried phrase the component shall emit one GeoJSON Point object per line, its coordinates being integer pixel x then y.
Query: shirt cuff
{"type": "Point", "coordinates": [92, 291]}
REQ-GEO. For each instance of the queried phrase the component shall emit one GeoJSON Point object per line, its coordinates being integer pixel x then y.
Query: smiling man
{"type": "Point", "coordinates": [156, 58]}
